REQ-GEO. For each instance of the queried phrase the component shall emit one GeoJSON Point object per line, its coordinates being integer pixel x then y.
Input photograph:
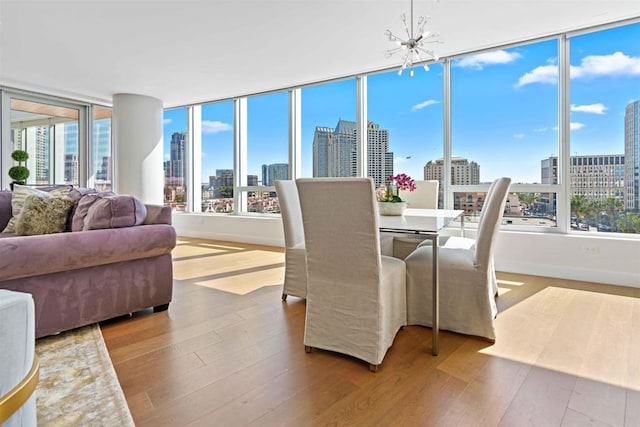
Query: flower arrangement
{"type": "Point", "coordinates": [389, 192]}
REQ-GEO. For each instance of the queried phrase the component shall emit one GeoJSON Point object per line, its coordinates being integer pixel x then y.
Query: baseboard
{"type": "Point", "coordinates": [228, 237]}
{"type": "Point", "coordinates": [571, 273]}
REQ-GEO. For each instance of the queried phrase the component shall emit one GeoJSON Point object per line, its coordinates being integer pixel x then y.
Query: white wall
{"type": "Point", "coordinates": [233, 228]}
{"type": "Point", "coordinates": [611, 260]}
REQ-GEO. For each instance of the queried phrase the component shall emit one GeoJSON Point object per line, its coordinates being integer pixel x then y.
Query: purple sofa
{"type": "Point", "coordinates": [83, 277]}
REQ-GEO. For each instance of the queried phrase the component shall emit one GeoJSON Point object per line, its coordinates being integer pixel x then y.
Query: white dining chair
{"type": "Point", "coordinates": [295, 265]}
{"type": "Point", "coordinates": [467, 303]}
{"type": "Point", "coordinates": [356, 297]}
{"type": "Point", "coordinates": [468, 242]}
{"type": "Point", "coordinates": [425, 196]}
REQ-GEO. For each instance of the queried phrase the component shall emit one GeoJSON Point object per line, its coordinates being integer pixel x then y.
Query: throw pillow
{"type": "Point", "coordinates": [82, 207]}
{"type": "Point", "coordinates": [115, 212]}
{"type": "Point", "coordinates": [43, 215]}
{"type": "Point", "coordinates": [20, 193]}
{"type": "Point", "coordinates": [76, 194]}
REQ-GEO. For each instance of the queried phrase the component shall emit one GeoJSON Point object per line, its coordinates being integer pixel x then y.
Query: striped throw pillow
{"type": "Point", "coordinates": [20, 193]}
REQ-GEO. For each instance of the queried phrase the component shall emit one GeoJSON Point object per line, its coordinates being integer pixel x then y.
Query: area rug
{"type": "Point", "coordinates": [78, 385]}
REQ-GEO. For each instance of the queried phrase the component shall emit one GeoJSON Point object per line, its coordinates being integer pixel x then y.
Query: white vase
{"type": "Point", "coordinates": [392, 209]}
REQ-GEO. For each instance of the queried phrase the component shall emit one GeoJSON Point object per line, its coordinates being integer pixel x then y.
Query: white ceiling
{"type": "Point", "coordinates": [187, 51]}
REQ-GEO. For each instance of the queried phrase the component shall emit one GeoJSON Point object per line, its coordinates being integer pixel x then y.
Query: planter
{"type": "Point", "coordinates": [391, 209]}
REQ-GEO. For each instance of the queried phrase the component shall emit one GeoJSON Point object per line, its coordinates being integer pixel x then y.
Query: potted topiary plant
{"type": "Point", "coordinates": [20, 173]}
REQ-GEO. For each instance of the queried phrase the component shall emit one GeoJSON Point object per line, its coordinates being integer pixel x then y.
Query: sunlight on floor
{"type": "Point", "coordinates": [580, 332]}
{"type": "Point", "coordinates": [242, 284]}
{"type": "Point", "coordinates": [234, 263]}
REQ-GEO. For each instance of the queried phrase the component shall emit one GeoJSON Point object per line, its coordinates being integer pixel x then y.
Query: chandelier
{"type": "Point", "coordinates": [412, 47]}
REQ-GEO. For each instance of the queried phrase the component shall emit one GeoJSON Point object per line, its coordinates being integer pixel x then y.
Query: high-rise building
{"type": "Point", "coordinates": [70, 154]}
{"type": "Point", "coordinates": [252, 180]}
{"type": "Point", "coordinates": [463, 172]}
{"type": "Point", "coordinates": [632, 156]}
{"type": "Point", "coordinates": [596, 177]}
{"type": "Point", "coordinates": [176, 160]}
{"type": "Point", "coordinates": [102, 152]}
{"type": "Point", "coordinates": [335, 151]}
{"type": "Point", "coordinates": [321, 138]}
{"type": "Point", "coordinates": [273, 172]}
{"type": "Point", "coordinates": [38, 142]}
{"type": "Point", "coordinates": [103, 173]}
{"type": "Point", "coordinates": [379, 158]}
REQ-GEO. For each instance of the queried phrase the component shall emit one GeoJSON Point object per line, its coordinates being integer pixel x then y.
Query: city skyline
{"type": "Point", "coordinates": [504, 99]}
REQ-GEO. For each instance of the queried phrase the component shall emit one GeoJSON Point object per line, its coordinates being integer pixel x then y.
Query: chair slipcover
{"type": "Point", "coordinates": [469, 243]}
{"type": "Point", "coordinates": [295, 276]}
{"type": "Point", "coordinates": [295, 270]}
{"type": "Point", "coordinates": [356, 298]}
{"type": "Point", "coordinates": [467, 303]}
{"type": "Point", "coordinates": [425, 196]}
{"type": "Point", "coordinates": [17, 337]}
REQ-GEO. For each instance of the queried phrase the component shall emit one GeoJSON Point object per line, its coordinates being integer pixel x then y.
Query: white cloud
{"type": "Point", "coordinates": [167, 122]}
{"type": "Point", "coordinates": [540, 129]}
{"type": "Point", "coordinates": [519, 136]}
{"type": "Point", "coordinates": [591, 108]}
{"type": "Point", "coordinates": [424, 104]}
{"type": "Point", "coordinates": [616, 64]}
{"type": "Point", "coordinates": [215, 126]}
{"type": "Point", "coordinates": [477, 62]}
{"type": "Point", "coordinates": [541, 74]}
{"type": "Point", "coordinates": [576, 125]}
{"type": "Point", "coordinates": [167, 156]}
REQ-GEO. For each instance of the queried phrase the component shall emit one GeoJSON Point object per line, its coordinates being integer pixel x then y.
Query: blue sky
{"type": "Point", "coordinates": [504, 109]}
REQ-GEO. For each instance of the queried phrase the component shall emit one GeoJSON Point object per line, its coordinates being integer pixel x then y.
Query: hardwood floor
{"type": "Point", "coordinates": [229, 352]}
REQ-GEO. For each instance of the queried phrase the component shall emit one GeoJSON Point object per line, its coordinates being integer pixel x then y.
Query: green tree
{"type": "Point", "coordinates": [579, 206]}
{"type": "Point", "coordinates": [226, 191]}
{"type": "Point", "coordinates": [612, 206]}
{"type": "Point", "coordinates": [629, 222]}
{"type": "Point", "coordinates": [528, 198]}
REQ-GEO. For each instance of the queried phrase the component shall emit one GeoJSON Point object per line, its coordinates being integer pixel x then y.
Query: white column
{"type": "Point", "coordinates": [138, 147]}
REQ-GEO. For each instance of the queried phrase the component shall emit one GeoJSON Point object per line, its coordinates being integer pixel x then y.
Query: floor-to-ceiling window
{"type": "Point", "coordinates": [404, 122]}
{"type": "Point", "coordinates": [504, 122]}
{"type": "Point", "coordinates": [175, 138]}
{"type": "Point", "coordinates": [605, 130]}
{"type": "Point", "coordinates": [329, 129]}
{"type": "Point", "coordinates": [267, 149]}
{"type": "Point", "coordinates": [101, 152]}
{"type": "Point", "coordinates": [217, 180]}
{"type": "Point", "coordinates": [505, 119]}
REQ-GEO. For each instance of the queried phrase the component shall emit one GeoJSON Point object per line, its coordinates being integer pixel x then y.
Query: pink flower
{"type": "Point", "coordinates": [403, 181]}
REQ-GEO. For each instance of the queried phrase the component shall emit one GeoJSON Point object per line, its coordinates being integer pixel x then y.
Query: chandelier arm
{"type": "Point", "coordinates": [431, 53]}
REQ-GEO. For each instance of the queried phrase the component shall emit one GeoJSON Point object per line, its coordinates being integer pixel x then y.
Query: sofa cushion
{"type": "Point", "coordinates": [84, 201]}
{"type": "Point", "coordinates": [43, 215]}
{"type": "Point", "coordinates": [20, 193]}
{"type": "Point", "coordinates": [115, 212]}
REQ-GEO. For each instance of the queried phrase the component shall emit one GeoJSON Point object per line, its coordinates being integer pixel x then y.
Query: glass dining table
{"type": "Point", "coordinates": [428, 223]}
